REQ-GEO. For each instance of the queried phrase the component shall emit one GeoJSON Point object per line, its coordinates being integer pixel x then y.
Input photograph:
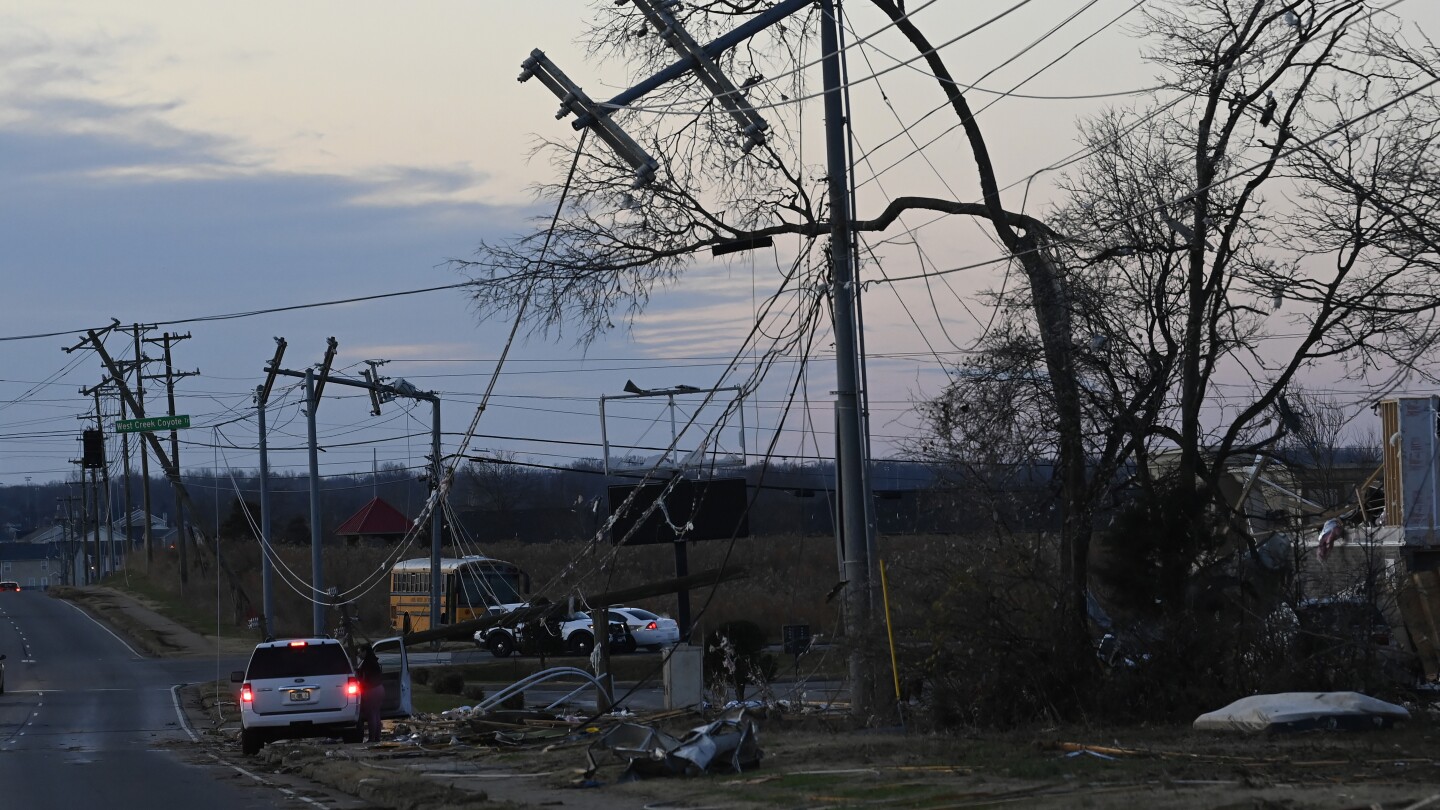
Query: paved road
{"type": "Point", "coordinates": [86, 722]}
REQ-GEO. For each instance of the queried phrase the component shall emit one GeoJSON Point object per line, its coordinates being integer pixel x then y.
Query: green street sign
{"type": "Point", "coordinates": [150, 423]}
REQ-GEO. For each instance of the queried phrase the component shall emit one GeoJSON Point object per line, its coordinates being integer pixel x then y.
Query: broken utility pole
{"type": "Point", "coordinates": [855, 524]}
{"type": "Point", "coordinates": [267, 548]}
{"type": "Point", "coordinates": [401, 388]}
{"type": "Point", "coordinates": [182, 495]}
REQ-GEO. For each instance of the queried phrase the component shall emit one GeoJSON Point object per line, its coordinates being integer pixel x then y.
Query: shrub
{"type": "Point", "coordinates": [474, 691]}
{"type": "Point", "coordinates": [420, 675]}
{"type": "Point", "coordinates": [734, 657]}
{"type": "Point", "coordinates": [992, 646]}
{"type": "Point", "coordinates": [447, 683]}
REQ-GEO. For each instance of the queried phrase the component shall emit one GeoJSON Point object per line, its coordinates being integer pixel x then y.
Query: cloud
{"type": "Point", "coordinates": [413, 185]}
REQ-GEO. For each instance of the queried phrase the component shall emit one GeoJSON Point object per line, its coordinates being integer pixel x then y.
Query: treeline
{"type": "Point", "coordinates": [505, 500]}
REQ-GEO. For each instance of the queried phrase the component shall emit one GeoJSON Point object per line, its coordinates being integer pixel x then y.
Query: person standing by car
{"type": "Point", "coordinates": [372, 692]}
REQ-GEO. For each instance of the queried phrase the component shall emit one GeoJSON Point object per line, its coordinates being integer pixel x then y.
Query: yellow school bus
{"type": "Point", "coordinates": [472, 584]}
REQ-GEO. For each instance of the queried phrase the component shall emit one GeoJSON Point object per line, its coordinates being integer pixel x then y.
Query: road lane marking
{"type": "Point", "coordinates": [43, 692]}
{"type": "Point", "coordinates": [106, 629]}
{"type": "Point", "coordinates": [287, 791]}
{"type": "Point", "coordinates": [180, 713]}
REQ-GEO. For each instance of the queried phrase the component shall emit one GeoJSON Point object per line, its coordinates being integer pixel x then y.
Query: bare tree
{"type": "Point", "coordinates": [1268, 215]}
{"type": "Point", "coordinates": [1163, 274]}
{"type": "Point", "coordinates": [613, 245]}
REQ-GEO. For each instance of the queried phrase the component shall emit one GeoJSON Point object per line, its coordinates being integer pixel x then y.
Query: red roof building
{"type": "Point", "coordinates": [376, 519]}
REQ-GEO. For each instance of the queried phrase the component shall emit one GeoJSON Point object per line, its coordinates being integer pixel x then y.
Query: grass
{"type": "Point", "coordinates": [509, 670]}
{"type": "Point", "coordinates": [422, 700]}
{"type": "Point", "coordinates": [163, 598]}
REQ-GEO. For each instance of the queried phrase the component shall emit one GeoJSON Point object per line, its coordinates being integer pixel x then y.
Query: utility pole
{"type": "Point", "coordinates": [129, 508]}
{"type": "Point", "coordinates": [95, 500]}
{"type": "Point", "coordinates": [850, 440]}
{"type": "Point", "coordinates": [437, 514]}
{"type": "Point", "coordinates": [166, 341]}
{"type": "Point", "coordinates": [383, 393]}
{"type": "Point", "coordinates": [105, 560]}
{"type": "Point", "coordinates": [172, 472]}
{"type": "Point", "coordinates": [317, 559]}
{"type": "Point", "coordinates": [69, 537]}
{"type": "Point", "coordinates": [267, 548]}
{"type": "Point", "coordinates": [84, 521]}
{"type": "Point", "coordinates": [857, 531]}
{"type": "Point", "coordinates": [313, 390]}
{"type": "Point", "coordinates": [92, 457]}
{"type": "Point", "coordinates": [144, 453]}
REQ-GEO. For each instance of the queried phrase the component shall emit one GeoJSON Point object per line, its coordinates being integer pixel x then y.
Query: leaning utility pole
{"type": "Point", "coordinates": [171, 375]}
{"type": "Point", "coordinates": [267, 548]}
{"type": "Point", "coordinates": [172, 472]}
{"type": "Point", "coordinates": [139, 408]}
{"type": "Point", "coordinates": [380, 392]}
{"type": "Point", "coordinates": [129, 506]}
{"type": "Point", "coordinates": [317, 557]}
{"type": "Point", "coordinates": [317, 537]}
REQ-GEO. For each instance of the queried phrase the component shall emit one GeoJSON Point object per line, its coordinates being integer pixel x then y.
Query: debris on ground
{"type": "Point", "coordinates": [728, 744]}
{"type": "Point", "coordinates": [1303, 711]}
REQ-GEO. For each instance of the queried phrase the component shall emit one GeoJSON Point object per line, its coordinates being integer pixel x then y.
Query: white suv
{"type": "Point", "coordinates": [303, 687]}
{"type": "Point", "coordinates": [573, 634]}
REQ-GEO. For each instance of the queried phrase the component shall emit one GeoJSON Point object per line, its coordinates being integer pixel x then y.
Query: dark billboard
{"type": "Point", "coordinates": [714, 509]}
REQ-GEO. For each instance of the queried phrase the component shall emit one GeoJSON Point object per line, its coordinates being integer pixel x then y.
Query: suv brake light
{"type": "Point", "coordinates": [247, 695]}
{"type": "Point", "coordinates": [352, 687]}
{"type": "Point", "coordinates": [297, 644]}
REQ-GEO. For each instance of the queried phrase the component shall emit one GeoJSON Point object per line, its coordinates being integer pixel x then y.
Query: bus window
{"type": "Point", "coordinates": [503, 585]}
{"type": "Point", "coordinates": [479, 589]}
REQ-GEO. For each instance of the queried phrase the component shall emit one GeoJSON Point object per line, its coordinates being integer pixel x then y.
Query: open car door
{"type": "Point", "coordinates": [396, 679]}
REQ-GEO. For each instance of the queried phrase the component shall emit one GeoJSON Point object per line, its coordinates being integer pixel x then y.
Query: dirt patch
{"type": "Point", "coordinates": [818, 762]}
{"type": "Point", "coordinates": [143, 627]}
{"type": "Point", "coordinates": [383, 787]}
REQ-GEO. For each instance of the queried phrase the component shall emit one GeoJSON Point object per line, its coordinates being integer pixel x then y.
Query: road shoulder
{"type": "Point", "coordinates": [141, 626]}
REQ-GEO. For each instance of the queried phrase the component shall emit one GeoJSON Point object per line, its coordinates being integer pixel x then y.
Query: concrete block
{"type": "Point", "coordinates": [685, 677]}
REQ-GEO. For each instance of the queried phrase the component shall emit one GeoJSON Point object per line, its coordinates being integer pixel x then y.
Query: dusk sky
{"type": "Point", "coordinates": [165, 162]}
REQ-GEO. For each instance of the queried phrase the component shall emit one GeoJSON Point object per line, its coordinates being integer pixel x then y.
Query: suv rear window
{"type": "Point", "coordinates": [299, 662]}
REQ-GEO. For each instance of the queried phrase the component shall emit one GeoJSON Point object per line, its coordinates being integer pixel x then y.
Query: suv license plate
{"type": "Point", "coordinates": [299, 695]}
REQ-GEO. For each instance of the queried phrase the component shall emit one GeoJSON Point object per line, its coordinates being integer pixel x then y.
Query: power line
{"type": "Point", "coordinates": [266, 311]}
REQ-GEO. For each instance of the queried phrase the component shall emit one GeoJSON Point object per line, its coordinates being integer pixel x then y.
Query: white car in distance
{"type": "Point", "coordinates": [573, 634]}
{"type": "Point", "coordinates": [650, 630]}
